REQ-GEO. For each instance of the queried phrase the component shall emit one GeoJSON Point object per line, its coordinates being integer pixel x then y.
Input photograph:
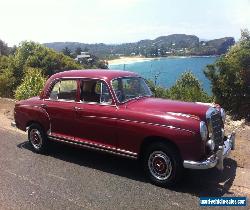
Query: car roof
{"type": "Point", "coordinates": [94, 73]}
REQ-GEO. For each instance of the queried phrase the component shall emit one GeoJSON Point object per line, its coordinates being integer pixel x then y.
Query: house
{"type": "Point", "coordinates": [83, 55]}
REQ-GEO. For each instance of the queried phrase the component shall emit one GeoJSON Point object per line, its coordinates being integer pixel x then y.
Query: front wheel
{"type": "Point", "coordinates": [163, 164]}
{"type": "Point", "coordinates": [37, 138]}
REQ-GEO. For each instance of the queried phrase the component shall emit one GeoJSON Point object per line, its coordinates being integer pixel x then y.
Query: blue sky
{"type": "Point", "coordinates": [117, 21]}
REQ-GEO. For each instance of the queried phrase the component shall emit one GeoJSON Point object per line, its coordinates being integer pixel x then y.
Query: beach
{"type": "Point", "coordinates": [128, 60]}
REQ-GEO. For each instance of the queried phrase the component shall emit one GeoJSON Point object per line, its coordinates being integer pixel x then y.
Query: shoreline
{"type": "Point", "coordinates": [135, 59]}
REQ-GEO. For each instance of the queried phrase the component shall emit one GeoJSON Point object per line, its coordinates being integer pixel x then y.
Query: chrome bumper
{"type": "Point", "coordinates": [215, 159]}
{"type": "Point", "coordinates": [13, 124]}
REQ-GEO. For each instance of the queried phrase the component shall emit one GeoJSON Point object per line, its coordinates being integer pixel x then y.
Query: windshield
{"type": "Point", "coordinates": [127, 88]}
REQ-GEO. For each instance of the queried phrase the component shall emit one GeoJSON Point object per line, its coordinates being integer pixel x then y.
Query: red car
{"type": "Point", "coordinates": [114, 111]}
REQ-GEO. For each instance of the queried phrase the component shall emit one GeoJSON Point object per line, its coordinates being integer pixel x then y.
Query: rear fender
{"type": "Point", "coordinates": [27, 114]}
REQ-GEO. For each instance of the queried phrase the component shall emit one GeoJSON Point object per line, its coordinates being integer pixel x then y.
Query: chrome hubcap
{"type": "Point", "coordinates": [160, 165]}
{"type": "Point", "coordinates": [36, 138]}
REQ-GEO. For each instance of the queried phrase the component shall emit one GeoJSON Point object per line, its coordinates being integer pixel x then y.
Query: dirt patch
{"type": "Point", "coordinates": [242, 152]}
{"type": "Point", "coordinates": [7, 107]}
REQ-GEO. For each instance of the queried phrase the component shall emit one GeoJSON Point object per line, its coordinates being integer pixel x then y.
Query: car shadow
{"type": "Point", "coordinates": [210, 182]}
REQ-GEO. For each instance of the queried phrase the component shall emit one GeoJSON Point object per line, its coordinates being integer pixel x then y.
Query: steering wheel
{"type": "Point", "coordinates": [118, 95]}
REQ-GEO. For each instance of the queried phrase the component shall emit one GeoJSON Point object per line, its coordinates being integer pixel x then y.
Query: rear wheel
{"type": "Point", "coordinates": [37, 138]}
{"type": "Point", "coordinates": [162, 164]}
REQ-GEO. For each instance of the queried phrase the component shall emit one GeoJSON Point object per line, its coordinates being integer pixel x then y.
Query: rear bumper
{"type": "Point", "coordinates": [215, 159]}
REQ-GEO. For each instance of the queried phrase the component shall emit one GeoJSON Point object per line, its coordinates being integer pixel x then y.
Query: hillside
{"type": "Point", "coordinates": [175, 44]}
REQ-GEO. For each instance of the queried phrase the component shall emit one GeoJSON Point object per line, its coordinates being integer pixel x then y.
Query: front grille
{"type": "Point", "coordinates": [215, 123]}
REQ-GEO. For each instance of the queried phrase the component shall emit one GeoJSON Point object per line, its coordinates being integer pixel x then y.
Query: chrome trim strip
{"type": "Point", "coordinates": [184, 115]}
{"type": "Point", "coordinates": [140, 122]}
{"type": "Point", "coordinates": [95, 146]}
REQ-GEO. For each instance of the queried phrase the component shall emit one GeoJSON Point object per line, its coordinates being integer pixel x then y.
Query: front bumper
{"type": "Point", "coordinates": [13, 124]}
{"type": "Point", "coordinates": [215, 159]}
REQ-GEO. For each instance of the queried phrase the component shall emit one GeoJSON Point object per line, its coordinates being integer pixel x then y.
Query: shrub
{"type": "Point", "coordinates": [230, 77]}
{"type": "Point", "coordinates": [6, 83]}
{"type": "Point", "coordinates": [188, 88]}
{"type": "Point", "coordinates": [31, 85]}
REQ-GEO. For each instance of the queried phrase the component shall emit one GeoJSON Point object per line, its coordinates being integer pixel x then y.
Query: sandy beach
{"type": "Point", "coordinates": [127, 60]}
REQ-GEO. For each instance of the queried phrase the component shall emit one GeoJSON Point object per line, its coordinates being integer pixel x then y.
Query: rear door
{"type": "Point", "coordinates": [60, 108]}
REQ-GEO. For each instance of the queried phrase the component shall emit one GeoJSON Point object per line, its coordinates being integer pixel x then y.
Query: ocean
{"type": "Point", "coordinates": [165, 71]}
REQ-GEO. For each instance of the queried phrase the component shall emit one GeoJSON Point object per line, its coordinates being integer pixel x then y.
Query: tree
{"type": "Point", "coordinates": [31, 54]}
{"type": "Point", "coordinates": [78, 51]}
{"type": "Point", "coordinates": [66, 51]}
{"type": "Point", "coordinates": [31, 85]}
{"type": "Point", "coordinates": [4, 49]}
{"type": "Point", "coordinates": [34, 55]}
{"type": "Point", "coordinates": [186, 88]}
{"type": "Point", "coordinates": [230, 77]}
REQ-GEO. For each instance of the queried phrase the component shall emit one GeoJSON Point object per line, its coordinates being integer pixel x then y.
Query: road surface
{"type": "Point", "coordinates": [74, 178]}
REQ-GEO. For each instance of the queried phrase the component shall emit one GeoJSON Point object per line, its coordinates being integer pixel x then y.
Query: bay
{"type": "Point", "coordinates": [165, 71]}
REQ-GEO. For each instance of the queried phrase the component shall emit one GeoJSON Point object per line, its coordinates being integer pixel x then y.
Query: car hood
{"type": "Point", "coordinates": [158, 105]}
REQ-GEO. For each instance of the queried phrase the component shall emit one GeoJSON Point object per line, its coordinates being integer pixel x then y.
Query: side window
{"type": "Point", "coordinates": [95, 91]}
{"type": "Point", "coordinates": [64, 90]}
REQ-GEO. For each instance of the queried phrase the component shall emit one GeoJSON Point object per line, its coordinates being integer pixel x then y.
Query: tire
{"type": "Point", "coordinates": [37, 138]}
{"type": "Point", "coordinates": [162, 164]}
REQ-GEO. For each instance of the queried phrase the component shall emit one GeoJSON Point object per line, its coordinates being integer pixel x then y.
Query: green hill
{"type": "Point", "coordinates": [175, 44]}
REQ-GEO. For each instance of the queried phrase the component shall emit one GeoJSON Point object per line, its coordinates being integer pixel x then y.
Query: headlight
{"type": "Point", "coordinates": [203, 131]}
{"type": "Point", "coordinates": [223, 115]}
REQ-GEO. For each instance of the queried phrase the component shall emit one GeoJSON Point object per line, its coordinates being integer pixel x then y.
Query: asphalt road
{"type": "Point", "coordinates": [72, 178]}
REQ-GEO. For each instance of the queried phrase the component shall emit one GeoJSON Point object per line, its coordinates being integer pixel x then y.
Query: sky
{"type": "Point", "coordinates": [119, 21]}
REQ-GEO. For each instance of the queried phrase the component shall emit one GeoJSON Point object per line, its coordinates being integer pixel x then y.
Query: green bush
{"type": "Point", "coordinates": [230, 77]}
{"type": "Point", "coordinates": [188, 88]}
{"type": "Point", "coordinates": [6, 83]}
{"type": "Point", "coordinates": [31, 85]}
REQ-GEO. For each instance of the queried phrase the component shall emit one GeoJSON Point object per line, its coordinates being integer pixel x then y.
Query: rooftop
{"type": "Point", "coordinates": [95, 73]}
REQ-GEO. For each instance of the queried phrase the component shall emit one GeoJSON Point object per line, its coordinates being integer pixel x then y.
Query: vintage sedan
{"type": "Point", "coordinates": [114, 111]}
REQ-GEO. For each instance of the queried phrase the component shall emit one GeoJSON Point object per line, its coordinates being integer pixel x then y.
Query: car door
{"type": "Point", "coordinates": [60, 108]}
{"type": "Point", "coordinates": [95, 115]}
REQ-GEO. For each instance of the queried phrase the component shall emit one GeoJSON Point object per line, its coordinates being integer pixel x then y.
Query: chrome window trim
{"type": "Point", "coordinates": [53, 83]}
{"type": "Point", "coordinates": [60, 100]}
{"type": "Point", "coordinates": [95, 103]}
{"type": "Point", "coordinates": [113, 104]}
{"type": "Point", "coordinates": [80, 102]}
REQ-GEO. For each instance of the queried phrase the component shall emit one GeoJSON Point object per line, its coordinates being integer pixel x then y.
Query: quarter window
{"type": "Point", "coordinates": [64, 90]}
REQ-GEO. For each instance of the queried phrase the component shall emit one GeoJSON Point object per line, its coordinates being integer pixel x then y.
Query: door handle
{"type": "Point", "coordinates": [77, 108]}
{"type": "Point", "coordinates": [44, 106]}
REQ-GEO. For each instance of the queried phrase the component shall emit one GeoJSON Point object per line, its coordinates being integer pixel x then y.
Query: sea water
{"type": "Point", "coordinates": [165, 71]}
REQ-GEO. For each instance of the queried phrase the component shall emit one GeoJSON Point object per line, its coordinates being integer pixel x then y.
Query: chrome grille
{"type": "Point", "coordinates": [215, 124]}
